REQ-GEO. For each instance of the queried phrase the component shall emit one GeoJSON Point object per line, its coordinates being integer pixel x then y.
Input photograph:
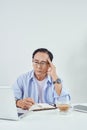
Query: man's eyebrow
{"type": "Point", "coordinates": [40, 61]}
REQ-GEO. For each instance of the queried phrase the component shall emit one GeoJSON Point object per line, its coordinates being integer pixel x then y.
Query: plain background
{"type": "Point", "coordinates": [58, 25]}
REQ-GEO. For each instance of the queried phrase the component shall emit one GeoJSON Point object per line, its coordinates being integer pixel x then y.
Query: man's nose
{"type": "Point", "coordinates": [38, 65]}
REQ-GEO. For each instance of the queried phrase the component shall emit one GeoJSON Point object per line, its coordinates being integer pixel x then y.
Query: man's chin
{"type": "Point", "coordinates": [40, 74]}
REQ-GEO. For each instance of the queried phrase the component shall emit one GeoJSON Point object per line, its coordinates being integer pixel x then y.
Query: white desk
{"type": "Point", "coordinates": [48, 120]}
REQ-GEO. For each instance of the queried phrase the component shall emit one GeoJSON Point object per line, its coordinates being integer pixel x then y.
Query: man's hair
{"type": "Point", "coordinates": [44, 50]}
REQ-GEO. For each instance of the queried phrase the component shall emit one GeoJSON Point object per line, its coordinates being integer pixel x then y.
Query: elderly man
{"type": "Point", "coordinates": [40, 85]}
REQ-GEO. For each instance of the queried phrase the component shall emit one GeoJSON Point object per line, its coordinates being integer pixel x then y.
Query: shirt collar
{"type": "Point", "coordinates": [49, 79]}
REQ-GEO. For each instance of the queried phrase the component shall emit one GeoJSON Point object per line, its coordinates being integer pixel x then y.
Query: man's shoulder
{"type": "Point", "coordinates": [26, 75]}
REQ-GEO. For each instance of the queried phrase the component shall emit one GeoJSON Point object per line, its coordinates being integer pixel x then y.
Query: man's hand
{"type": "Point", "coordinates": [53, 74]}
{"type": "Point", "coordinates": [52, 70]}
{"type": "Point", "coordinates": [25, 103]}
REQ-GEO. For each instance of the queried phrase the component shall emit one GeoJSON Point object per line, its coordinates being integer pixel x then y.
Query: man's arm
{"type": "Point", "coordinates": [53, 74]}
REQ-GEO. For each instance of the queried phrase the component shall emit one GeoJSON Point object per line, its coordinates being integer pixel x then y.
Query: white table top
{"type": "Point", "coordinates": [48, 120]}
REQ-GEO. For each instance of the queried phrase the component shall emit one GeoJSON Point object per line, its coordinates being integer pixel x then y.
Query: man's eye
{"type": "Point", "coordinates": [36, 62]}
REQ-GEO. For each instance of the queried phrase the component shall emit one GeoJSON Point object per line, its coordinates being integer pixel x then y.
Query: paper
{"type": "Point", "coordinates": [41, 106]}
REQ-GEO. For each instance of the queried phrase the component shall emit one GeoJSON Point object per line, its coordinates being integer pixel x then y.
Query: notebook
{"type": "Point", "coordinates": [81, 108]}
{"type": "Point", "coordinates": [8, 109]}
{"type": "Point", "coordinates": [42, 107]}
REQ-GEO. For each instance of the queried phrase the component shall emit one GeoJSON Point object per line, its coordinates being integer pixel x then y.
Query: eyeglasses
{"type": "Point", "coordinates": [42, 63]}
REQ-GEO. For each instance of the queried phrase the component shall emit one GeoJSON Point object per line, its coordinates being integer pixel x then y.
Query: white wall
{"type": "Point", "coordinates": [60, 26]}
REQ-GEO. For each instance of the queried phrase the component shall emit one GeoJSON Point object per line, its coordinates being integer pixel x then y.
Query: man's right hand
{"type": "Point", "coordinates": [25, 103]}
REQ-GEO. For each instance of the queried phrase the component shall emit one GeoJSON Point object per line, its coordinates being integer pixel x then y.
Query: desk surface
{"type": "Point", "coordinates": [48, 120]}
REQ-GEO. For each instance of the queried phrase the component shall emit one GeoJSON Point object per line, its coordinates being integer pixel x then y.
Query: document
{"type": "Point", "coordinates": [42, 106]}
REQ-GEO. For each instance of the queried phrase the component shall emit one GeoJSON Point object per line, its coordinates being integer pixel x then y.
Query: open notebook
{"type": "Point", "coordinates": [42, 106]}
{"type": "Point", "coordinates": [8, 109]}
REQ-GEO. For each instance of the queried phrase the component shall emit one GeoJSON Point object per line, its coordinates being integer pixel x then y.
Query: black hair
{"type": "Point", "coordinates": [43, 50]}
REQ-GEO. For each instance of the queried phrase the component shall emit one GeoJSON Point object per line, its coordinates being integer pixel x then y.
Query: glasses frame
{"type": "Point", "coordinates": [42, 63]}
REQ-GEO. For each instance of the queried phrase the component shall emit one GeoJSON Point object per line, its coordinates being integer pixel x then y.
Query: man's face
{"type": "Point", "coordinates": [40, 63]}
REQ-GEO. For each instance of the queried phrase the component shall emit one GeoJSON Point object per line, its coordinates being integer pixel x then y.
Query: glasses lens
{"type": "Point", "coordinates": [43, 63]}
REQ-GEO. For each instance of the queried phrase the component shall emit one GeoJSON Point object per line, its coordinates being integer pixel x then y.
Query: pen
{"type": "Point", "coordinates": [54, 105]}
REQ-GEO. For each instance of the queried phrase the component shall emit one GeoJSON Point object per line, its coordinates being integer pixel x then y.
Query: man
{"type": "Point", "coordinates": [42, 84]}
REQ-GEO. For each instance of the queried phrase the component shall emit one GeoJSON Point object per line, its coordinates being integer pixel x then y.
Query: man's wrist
{"type": "Point", "coordinates": [58, 81]}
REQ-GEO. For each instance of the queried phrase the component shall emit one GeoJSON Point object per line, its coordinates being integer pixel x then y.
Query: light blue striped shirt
{"type": "Point", "coordinates": [26, 86]}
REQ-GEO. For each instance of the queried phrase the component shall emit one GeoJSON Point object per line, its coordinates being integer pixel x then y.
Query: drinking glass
{"type": "Point", "coordinates": [64, 104]}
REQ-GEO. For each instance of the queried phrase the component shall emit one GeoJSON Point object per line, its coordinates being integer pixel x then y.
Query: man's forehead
{"type": "Point", "coordinates": [41, 56]}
